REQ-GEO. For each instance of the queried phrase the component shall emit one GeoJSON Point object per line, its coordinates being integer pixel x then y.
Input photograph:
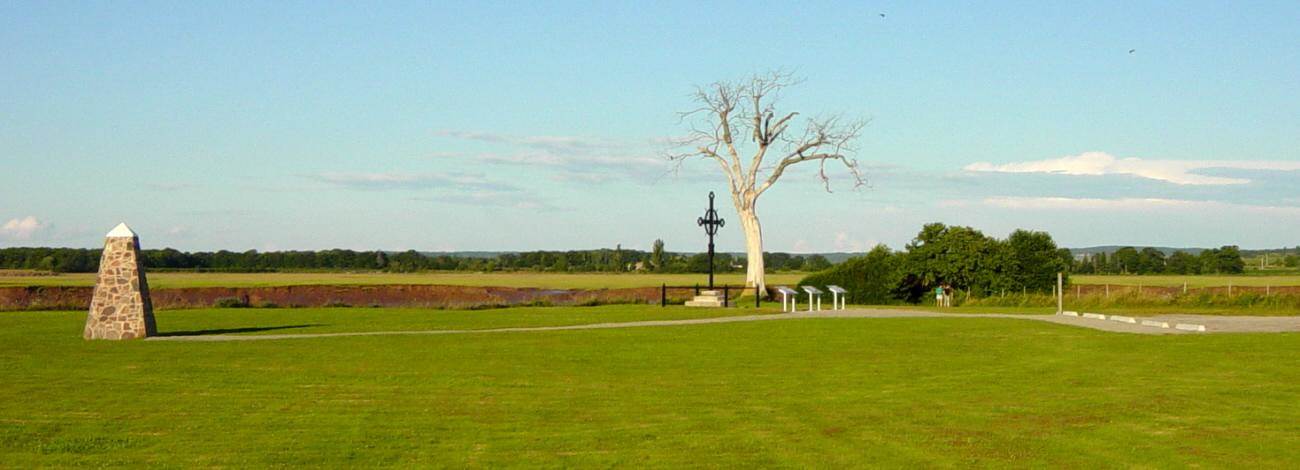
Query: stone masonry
{"type": "Point", "coordinates": [120, 307]}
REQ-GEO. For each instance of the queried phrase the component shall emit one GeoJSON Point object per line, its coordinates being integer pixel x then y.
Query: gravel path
{"type": "Point", "coordinates": [1213, 324]}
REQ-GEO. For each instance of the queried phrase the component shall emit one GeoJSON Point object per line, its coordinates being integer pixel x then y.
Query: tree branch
{"type": "Point", "coordinates": [730, 107]}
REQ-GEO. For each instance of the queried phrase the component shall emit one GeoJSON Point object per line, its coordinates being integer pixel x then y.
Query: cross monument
{"type": "Point", "coordinates": [711, 223]}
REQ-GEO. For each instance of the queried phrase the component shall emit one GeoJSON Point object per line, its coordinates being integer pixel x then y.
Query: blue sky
{"type": "Point", "coordinates": [521, 125]}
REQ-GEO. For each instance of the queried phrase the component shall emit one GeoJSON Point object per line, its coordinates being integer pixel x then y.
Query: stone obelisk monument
{"type": "Point", "coordinates": [121, 308]}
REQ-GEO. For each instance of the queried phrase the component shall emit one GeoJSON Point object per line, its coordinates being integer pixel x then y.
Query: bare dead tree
{"type": "Point", "coordinates": [747, 108]}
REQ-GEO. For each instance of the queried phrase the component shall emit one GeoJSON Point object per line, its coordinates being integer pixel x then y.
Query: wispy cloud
{"type": "Point", "coordinates": [1181, 172]}
{"type": "Point", "coordinates": [1122, 205]}
{"type": "Point", "coordinates": [22, 229]}
{"type": "Point", "coordinates": [544, 142]}
{"type": "Point", "coordinates": [504, 199]}
{"type": "Point", "coordinates": [470, 189]}
{"type": "Point", "coordinates": [568, 158]}
{"type": "Point", "coordinates": [845, 242]}
{"type": "Point", "coordinates": [391, 181]}
{"type": "Point", "coordinates": [170, 186]}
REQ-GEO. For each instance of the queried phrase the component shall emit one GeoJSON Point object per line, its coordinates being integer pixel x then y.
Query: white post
{"type": "Point", "coordinates": [1060, 294]}
{"type": "Point", "coordinates": [819, 303]}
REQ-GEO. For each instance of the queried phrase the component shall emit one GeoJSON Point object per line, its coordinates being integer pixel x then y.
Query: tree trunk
{"type": "Point", "coordinates": [753, 247]}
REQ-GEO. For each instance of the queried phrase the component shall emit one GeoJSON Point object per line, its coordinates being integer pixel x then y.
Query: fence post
{"type": "Point", "coordinates": [726, 292]}
{"type": "Point", "coordinates": [697, 288]}
{"type": "Point", "coordinates": [1060, 295]}
{"type": "Point", "coordinates": [1184, 287]}
{"type": "Point", "coordinates": [663, 296]}
{"type": "Point", "coordinates": [1107, 291]}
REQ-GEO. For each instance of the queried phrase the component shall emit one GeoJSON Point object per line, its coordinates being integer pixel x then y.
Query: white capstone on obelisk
{"type": "Point", "coordinates": [120, 308]}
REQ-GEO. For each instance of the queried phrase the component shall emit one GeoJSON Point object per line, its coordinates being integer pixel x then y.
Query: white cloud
{"type": "Point", "coordinates": [170, 186]}
{"type": "Point", "coordinates": [544, 142]}
{"type": "Point", "coordinates": [386, 181]}
{"type": "Point", "coordinates": [1180, 172]}
{"type": "Point", "coordinates": [1124, 204]}
{"type": "Point", "coordinates": [844, 242]}
{"type": "Point", "coordinates": [588, 159]}
{"type": "Point", "coordinates": [22, 229]}
{"type": "Point", "coordinates": [488, 198]}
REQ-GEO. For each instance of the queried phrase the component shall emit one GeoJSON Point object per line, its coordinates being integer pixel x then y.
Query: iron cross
{"type": "Point", "coordinates": [711, 223]}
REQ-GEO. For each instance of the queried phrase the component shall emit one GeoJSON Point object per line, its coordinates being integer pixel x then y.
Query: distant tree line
{"type": "Point", "coordinates": [962, 258]}
{"type": "Point", "coordinates": [72, 260]}
{"type": "Point", "coordinates": [1129, 260]}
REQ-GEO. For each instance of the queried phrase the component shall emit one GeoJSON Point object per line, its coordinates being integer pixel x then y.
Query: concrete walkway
{"type": "Point", "coordinates": [1213, 324]}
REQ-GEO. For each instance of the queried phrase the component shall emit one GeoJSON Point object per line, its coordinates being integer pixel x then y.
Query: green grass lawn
{"type": "Point", "coordinates": [335, 320]}
{"type": "Point", "coordinates": [798, 393]}
{"type": "Point", "coordinates": [167, 280]}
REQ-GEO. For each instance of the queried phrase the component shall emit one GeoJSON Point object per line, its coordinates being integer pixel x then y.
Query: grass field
{"type": "Point", "coordinates": [166, 280]}
{"type": "Point", "coordinates": [799, 393]}
{"type": "Point", "coordinates": [1192, 281]}
{"type": "Point", "coordinates": [334, 320]}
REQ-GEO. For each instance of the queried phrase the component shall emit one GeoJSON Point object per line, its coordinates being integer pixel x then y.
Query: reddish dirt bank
{"type": "Point", "coordinates": [434, 296]}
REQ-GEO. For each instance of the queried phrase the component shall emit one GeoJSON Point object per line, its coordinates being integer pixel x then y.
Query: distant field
{"type": "Point", "coordinates": [165, 280]}
{"type": "Point", "coordinates": [1192, 281]}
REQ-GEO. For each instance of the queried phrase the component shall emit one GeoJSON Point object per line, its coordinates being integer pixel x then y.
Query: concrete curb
{"type": "Point", "coordinates": [1157, 324]}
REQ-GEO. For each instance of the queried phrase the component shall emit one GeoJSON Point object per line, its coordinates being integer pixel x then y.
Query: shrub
{"type": "Point", "coordinates": [230, 302]}
{"type": "Point", "coordinates": [870, 279]}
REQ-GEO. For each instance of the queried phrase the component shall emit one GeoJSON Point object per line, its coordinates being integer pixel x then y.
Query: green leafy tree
{"type": "Point", "coordinates": [1150, 261]}
{"type": "Point", "coordinates": [657, 255]}
{"type": "Point", "coordinates": [1126, 260]}
{"type": "Point", "coordinates": [816, 263]}
{"type": "Point", "coordinates": [1229, 261]}
{"type": "Point", "coordinates": [1034, 260]}
{"type": "Point", "coordinates": [1182, 263]}
{"type": "Point", "coordinates": [956, 256]}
